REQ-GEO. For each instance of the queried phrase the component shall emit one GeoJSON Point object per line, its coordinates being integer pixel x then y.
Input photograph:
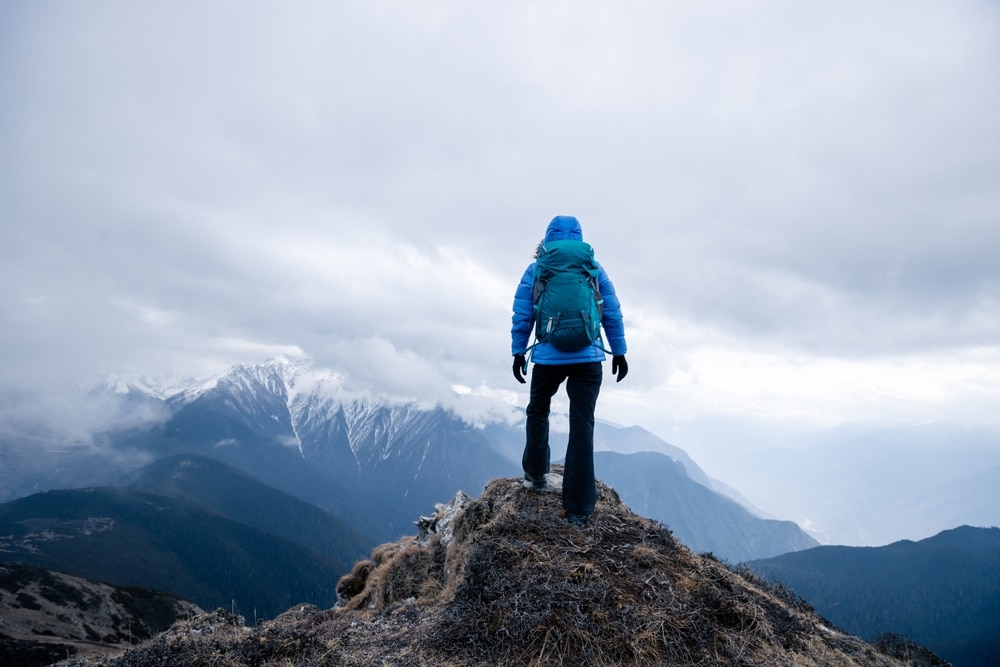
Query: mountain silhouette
{"type": "Point", "coordinates": [240, 497]}
{"type": "Point", "coordinates": [132, 537]}
{"type": "Point", "coordinates": [942, 591]}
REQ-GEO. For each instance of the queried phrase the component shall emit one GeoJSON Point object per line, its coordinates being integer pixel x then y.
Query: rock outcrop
{"type": "Point", "coordinates": [504, 579]}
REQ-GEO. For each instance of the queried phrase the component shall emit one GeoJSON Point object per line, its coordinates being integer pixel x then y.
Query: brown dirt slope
{"type": "Point", "coordinates": [505, 580]}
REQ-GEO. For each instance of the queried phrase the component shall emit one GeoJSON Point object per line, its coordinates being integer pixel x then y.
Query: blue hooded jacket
{"type": "Point", "coordinates": [565, 227]}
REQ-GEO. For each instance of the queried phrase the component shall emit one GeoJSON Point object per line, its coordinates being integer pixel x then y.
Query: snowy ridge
{"type": "Point", "coordinates": [313, 411]}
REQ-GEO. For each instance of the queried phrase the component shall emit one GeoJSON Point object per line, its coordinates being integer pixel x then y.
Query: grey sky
{"type": "Point", "coordinates": [797, 201]}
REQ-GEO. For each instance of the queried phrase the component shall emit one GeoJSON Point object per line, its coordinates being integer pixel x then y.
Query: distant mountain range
{"type": "Point", "coordinates": [658, 487]}
{"type": "Point", "coordinates": [942, 592]}
{"type": "Point", "coordinates": [135, 537]}
{"type": "Point", "coordinates": [375, 465]}
{"type": "Point", "coordinates": [235, 495]}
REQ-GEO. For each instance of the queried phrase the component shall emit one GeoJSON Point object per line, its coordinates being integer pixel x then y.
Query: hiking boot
{"type": "Point", "coordinates": [534, 483]}
{"type": "Point", "coordinates": [577, 519]}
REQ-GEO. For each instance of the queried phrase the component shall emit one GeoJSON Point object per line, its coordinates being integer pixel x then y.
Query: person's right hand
{"type": "Point", "coordinates": [619, 367]}
{"type": "Point", "coordinates": [519, 367]}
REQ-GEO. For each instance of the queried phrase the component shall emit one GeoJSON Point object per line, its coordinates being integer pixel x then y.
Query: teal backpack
{"type": "Point", "coordinates": [567, 297]}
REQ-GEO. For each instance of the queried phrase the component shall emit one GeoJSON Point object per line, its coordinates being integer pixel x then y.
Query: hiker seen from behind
{"type": "Point", "coordinates": [566, 297]}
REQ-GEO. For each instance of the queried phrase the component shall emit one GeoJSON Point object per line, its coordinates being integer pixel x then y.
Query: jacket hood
{"type": "Point", "coordinates": [564, 228]}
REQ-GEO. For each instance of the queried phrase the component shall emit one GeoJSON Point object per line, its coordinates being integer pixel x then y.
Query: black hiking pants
{"type": "Point", "coordinates": [583, 384]}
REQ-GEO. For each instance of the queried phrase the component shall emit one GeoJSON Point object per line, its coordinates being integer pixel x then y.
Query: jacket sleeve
{"type": "Point", "coordinates": [523, 319]}
{"type": "Point", "coordinates": [611, 317]}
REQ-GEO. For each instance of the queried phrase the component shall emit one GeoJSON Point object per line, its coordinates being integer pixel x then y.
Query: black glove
{"type": "Point", "coordinates": [619, 366]}
{"type": "Point", "coordinates": [519, 364]}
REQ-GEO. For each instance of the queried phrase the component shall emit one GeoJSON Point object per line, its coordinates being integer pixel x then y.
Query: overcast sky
{"type": "Point", "coordinates": [798, 202]}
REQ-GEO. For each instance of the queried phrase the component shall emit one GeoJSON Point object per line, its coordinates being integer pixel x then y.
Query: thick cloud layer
{"type": "Point", "coordinates": [797, 202]}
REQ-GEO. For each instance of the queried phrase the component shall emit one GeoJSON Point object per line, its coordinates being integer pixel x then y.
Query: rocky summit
{"type": "Point", "coordinates": [505, 579]}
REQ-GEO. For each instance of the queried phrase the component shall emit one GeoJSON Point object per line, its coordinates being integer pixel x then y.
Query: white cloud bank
{"type": "Point", "coordinates": [796, 201]}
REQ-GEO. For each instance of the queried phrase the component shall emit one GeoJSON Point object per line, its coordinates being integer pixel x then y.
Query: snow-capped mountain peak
{"type": "Point", "coordinates": [275, 376]}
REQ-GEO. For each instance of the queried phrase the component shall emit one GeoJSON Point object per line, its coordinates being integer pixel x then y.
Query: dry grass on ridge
{"type": "Point", "coordinates": [506, 580]}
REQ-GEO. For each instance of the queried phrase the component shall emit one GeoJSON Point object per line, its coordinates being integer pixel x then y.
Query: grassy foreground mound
{"type": "Point", "coordinates": [505, 580]}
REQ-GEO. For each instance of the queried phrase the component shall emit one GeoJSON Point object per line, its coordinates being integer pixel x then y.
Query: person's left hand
{"type": "Point", "coordinates": [518, 368]}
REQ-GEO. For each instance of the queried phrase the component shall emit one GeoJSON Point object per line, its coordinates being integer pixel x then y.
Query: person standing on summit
{"type": "Point", "coordinates": [566, 297]}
